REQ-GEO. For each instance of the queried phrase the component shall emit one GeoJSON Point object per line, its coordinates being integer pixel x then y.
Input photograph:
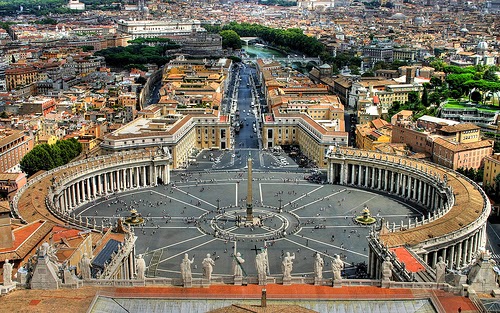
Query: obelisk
{"type": "Point", "coordinates": [249, 190]}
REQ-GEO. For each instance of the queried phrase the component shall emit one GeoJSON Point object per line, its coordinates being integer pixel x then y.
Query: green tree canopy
{"type": "Point", "coordinates": [230, 39]}
{"type": "Point", "coordinates": [46, 157]}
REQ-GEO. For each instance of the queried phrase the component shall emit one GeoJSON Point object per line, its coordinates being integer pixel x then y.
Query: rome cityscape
{"type": "Point", "coordinates": [250, 156]}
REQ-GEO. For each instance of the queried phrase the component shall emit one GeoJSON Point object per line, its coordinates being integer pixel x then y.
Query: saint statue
{"type": "Point", "coordinates": [387, 268]}
{"type": "Point", "coordinates": [186, 268]}
{"type": "Point", "coordinates": [440, 270]}
{"type": "Point", "coordinates": [208, 267]}
{"type": "Point", "coordinates": [261, 265]}
{"type": "Point", "coordinates": [337, 267]}
{"type": "Point", "coordinates": [318, 266]}
{"type": "Point", "coordinates": [140, 267]}
{"type": "Point", "coordinates": [237, 265]}
{"type": "Point", "coordinates": [287, 265]}
{"type": "Point", "coordinates": [7, 273]}
{"type": "Point", "coordinates": [85, 267]}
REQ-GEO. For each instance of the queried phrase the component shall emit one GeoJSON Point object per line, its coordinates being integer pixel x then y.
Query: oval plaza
{"type": "Point", "coordinates": [452, 223]}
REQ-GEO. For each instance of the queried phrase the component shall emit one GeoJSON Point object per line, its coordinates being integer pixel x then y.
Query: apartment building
{"type": "Point", "coordinates": [14, 144]}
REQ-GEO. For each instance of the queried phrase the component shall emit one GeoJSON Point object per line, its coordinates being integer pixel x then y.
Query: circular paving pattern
{"type": "Point", "coordinates": [198, 214]}
{"type": "Point", "coordinates": [230, 223]}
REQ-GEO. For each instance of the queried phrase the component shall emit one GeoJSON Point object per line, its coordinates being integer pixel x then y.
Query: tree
{"type": "Point", "coordinates": [425, 98]}
{"type": "Point", "coordinates": [230, 39]}
{"type": "Point", "coordinates": [46, 157]}
{"type": "Point", "coordinates": [36, 160]}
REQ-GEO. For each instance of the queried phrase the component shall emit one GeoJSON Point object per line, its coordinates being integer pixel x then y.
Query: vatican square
{"type": "Point", "coordinates": [197, 214]}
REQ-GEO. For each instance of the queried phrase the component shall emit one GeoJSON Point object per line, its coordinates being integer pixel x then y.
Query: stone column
{"type": "Point", "coordinates": [459, 254]}
{"type": "Point", "coordinates": [451, 259]}
{"type": "Point", "coordinates": [89, 192]}
{"type": "Point", "coordinates": [105, 176]}
{"type": "Point", "coordinates": [409, 186]}
{"type": "Point", "coordinates": [112, 180]}
{"type": "Point", "coordinates": [71, 196]}
{"type": "Point", "coordinates": [469, 252]}
{"type": "Point", "coordinates": [366, 176]}
{"type": "Point", "coordinates": [360, 172]}
{"type": "Point", "coordinates": [424, 198]}
{"type": "Point", "coordinates": [445, 256]}
{"type": "Point", "coordinates": [130, 179]}
{"type": "Point", "coordinates": [386, 179]}
{"type": "Point", "coordinates": [78, 193]}
{"type": "Point", "coordinates": [353, 172]}
{"type": "Point", "coordinates": [464, 251]}
{"type": "Point", "coordinates": [399, 182]}
{"type": "Point", "coordinates": [144, 181]}
{"type": "Point", "coordinates": [434, 258]}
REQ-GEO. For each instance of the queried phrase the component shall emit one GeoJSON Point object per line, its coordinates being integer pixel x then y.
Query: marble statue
{"type": "Point", "coordinates": [337, 267]}
{"type": "Point", "coordinates": [261, 265]}
{"type": "Point", "coordinates": [7, 273]}
{"type": "Point", "coordinates": [208, 267]}
{"type": "Point", "coordinates": [85, 267]}
{"type": "Point", "coordinates": [387, 268]}
{"type": "Point", "coordinates": [186, 268]}
{"type": "Point", "coordinates": [237, 265]}
{"type": "Point", "coordinates": [318, 266]}
{"type": "Point", "coordinates": [43, 249]}
{"type": "Point", "coordinates": [287, 265]}
{"type": "Point", "coordinates": [140, 267]}
{"type": "Point", "coordinates": [440, 270]}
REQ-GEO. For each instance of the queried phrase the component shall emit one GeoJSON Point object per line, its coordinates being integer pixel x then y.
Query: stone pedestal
{"type": "Point", "coordinates": [238, 280]}
{"type": "Point", "coordinates": [386, 283]}
{"type": "Point", "coordinates": [337, 283]}
{"type": "Point", "coordinates": [188, 283]}
{"type": "Point", "coordinates": [6, 289]}
{"type": "Point", "coordinates": [22, 277]}
{"type": "Point", "coordinates": [205, 283]}
{"type": "Point", "coordinates": [318, 281]}
{"type": "Point", "coordinates": [45, 275]}
{"type": "Point", "coordinates": [287, 281]}
{"type": "Point", "coordinates": [262, 281]}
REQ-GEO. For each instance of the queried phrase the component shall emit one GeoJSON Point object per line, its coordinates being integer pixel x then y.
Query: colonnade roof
{"type": "Point", "coordinates": [467, 208]}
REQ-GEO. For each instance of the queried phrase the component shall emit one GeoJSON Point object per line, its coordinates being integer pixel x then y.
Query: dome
{"type": "Point", "coordinates": [464, 30]}
{"type": "Point", "coordinates": [398, 16]}
{"type": "Point", "coordinates": [419, 20]}
{"type": "Point", "coordinates": [325, 66]}
{"type": "Point", "coordinates": [482, 46]}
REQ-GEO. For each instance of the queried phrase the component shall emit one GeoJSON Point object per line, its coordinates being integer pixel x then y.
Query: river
{"type": "Point", "coordinates": [262, 52]}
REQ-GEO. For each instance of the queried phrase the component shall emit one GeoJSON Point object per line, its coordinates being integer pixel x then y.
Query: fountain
{"type": "Point", "coordinates": [365, 218]}
{"type": "Point", "coordinates": [134, 218]}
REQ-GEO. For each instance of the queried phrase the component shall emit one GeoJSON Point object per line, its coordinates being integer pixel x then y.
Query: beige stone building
{"type": "Point", "coordinates": [372, 134]}
{"type": "Point", "coordinates": [448, 143]}
{"type": "Point", "coordinates": [182, 135]}
{"type": "Point", "coordinates": [491, 170]}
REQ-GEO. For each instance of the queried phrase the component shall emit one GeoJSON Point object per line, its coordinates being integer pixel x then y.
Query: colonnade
{"type": "Point", "coordinates": [109, 175]}
{"type": "Point", "coordinates": [417, 182]}
{"type": "Point", "coordinates": [421, 189]}
{"type": "Point", "coordinates": [457, 254]}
